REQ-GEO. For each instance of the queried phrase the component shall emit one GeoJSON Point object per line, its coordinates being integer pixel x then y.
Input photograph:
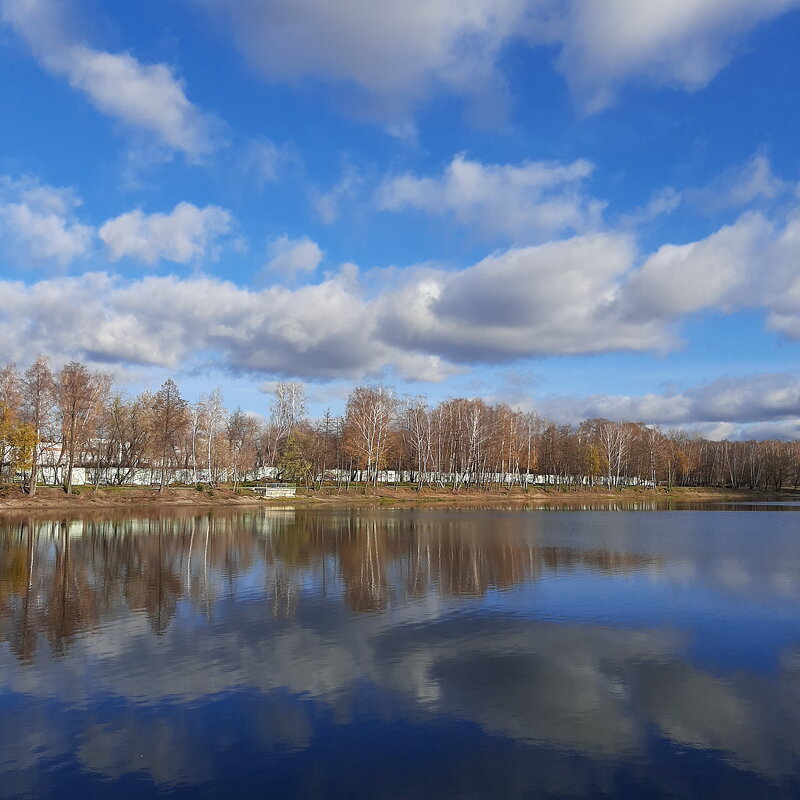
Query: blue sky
{"type": "Point", "coordinates": [588, 208]}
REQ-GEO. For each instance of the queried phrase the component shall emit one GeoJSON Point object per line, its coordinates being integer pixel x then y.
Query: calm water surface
{"type": "Point", "coordinates": [402, 654]}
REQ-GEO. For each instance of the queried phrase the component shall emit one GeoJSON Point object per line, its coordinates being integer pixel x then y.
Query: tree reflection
{"type": "Point", "coordinates": [62, 579]}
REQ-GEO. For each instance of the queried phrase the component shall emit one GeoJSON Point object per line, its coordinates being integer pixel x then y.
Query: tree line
{"type": "Point", "coordinates": [53, 422]}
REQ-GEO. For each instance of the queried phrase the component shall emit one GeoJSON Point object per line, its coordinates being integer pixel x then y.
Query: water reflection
{"type": "Point", "coordinates": [59, 579]}
{"type": "Point", "coordinates": [458, 653]}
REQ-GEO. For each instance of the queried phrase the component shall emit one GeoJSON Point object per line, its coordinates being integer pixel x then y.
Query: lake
{"type": "Point", "coordinates": [401, 654]}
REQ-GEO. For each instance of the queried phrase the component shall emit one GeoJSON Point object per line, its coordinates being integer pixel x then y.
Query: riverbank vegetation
{"type": "Point", "coordinates": [85, 499]}
{"type": "Point", "coordinates": [74, 426]}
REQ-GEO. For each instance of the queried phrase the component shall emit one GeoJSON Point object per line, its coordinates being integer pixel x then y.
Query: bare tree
{"type": "Point", "coordinates": [80, 395]}
{"type": "Point", "coordinates": [614, 439]}
{"type": "Point", "coordinates": [38, 397]}
{"type": "Point", "coordinates": [369, 414]}
{"type": "Point", "coordinates": [417, 433]}
{"type": "Point", "coordinates": [457, 442]}
{"type": "Point", "coordinates": [170, 417]}
{"type": "Point", "coordinates": [327, 448]}
{"type": "Point", "coordinates": [287, 411]}
{"type": "Point", "coordinates": [197, 419]}
{"type": "Point", "coordinates": [214, 413]}
{"type": "Point", "coordinates": [242, 432]}
{"type": "Point", "coordinates": [10, 388]}
{"type": "Point", "coordinates": [128, 425]}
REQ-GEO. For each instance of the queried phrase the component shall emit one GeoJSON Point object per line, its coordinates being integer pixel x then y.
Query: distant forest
{"type": "Point", "coordinates": [75, 418]}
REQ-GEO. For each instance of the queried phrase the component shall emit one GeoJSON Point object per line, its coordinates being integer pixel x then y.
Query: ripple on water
{"type": "Point", "coordinates": [382, 654]}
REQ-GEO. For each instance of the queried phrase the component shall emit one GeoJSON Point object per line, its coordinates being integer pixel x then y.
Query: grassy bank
{"type": "Point", "coordinates": [85, 498]}
{"type": "Point", "coordinates": [405, 496]}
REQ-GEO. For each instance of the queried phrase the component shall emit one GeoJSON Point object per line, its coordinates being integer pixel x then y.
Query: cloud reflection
{"type": "Point", "coordinates": [142, 634]}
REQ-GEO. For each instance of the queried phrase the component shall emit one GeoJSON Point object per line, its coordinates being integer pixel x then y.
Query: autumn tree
{"type": "Point", "coordinates": [417, 433]}
{"type": "Point", "coordinates": [37, 389]}
{"type": "Point", "coordinates": [128, 426]}
{"type": "Point", "coordinates": [295, 461]}
{"type": "Point", "coordinates": [367, 427]}
{"type": "Point", "coordinates": [169, 419]}
{"type": "Point", "coordinates": [242, 432]}
{"type": "Point", "coordinates": [80, 395]}
{"type": "Point", "coordinates": [327, 452]}
{"type": "Point", "coordinates": [17, 443]}
{"type": "Point", "coordinates": [287, 411]}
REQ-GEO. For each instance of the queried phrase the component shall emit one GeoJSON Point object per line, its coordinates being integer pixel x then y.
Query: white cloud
{"type": "Point", "coordinates": [38, 224]}
{"type": "Point", "coordinates": [327, 204]}
{"type": "Point", "coordinates": [291, 256]}
{"type": "Point", "coordinates": [751, 263]}
{"type": "Point", "coordinates": [724, 408]}
{"type": "Point", "coordinates": [682, 43]}
{"type": "Point", "coordinates": [322, 331]}
{"type": "Point", "coordinates": [593, 293]}
{"type": "Point", "coordinates": [264, 161]}
{"type": "Point", "coordinates": [779, 284]}
{"type": "Point", "coordinates": [396, 54]}
{"type": "Point", "coordinates": [146, 97]}
{"type": "Point", "coordinates": [405, 131]}
{"type": "Point", "coordinates": [555, 298]}
{"type": "Point", "coordinates": [681, 279]}
{"type": "Point", "coordinates": [332, 329]}
{"type": "Point", "coordinates": [185, 234]}
{"type": "Point", "coordinates": [661, 203]}
{"type": "Point", "coordinates": [741, 186]}
{"type": "Point", "coordinates": [526, 202]}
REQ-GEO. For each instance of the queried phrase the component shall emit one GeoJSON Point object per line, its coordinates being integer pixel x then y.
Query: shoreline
{"type": "Point", "coordinates": [86, 498]}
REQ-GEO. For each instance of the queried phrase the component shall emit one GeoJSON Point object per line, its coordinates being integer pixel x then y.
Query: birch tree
{"type": "Point", "coordinates": [38, 399]}
{"type": "Point", "coordinates": [367, 434]}
{"type": "Point", "coordinates": [214, 412]}
{"type": "Point", "coordinates": [287, 412]}
{"type": "Point", "coordinates": [170, 417]}
{"type": "Point", "coordinates": [417, 432]}
{"type": "Point", "coordinates": [80, 395]}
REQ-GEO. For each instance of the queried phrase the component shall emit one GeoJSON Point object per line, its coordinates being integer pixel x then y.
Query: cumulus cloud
{"type": "Point", "coordinates": [393, 54]}
{"type": "Point", "coordinates": [780, 278]}
{"type": "Point", "coordinates": [680, 279]}
{"type": "Point", "coordinates": [767, 404]}
{"type": "Point", "coordinates": [185, 234]}
{"type": "Point", "coordinates": [38, 224]}
{"type": "Point", "coordinates": [751, 263]}
{"type": "Point", "coordinates": [681, 43]}
{"type": "Point", "coordinates": [526, 202]}
{"type": "Point", "coordinates": [396, 55]}
{"type": "Point", "coordinates": [324, 330]}
{"type": "Point", "coordinates": [532, 301]}
{"type": "Point", "coordinates": [592, 293]}
{"type": "Point", "coordinates": [559, 297]}
{"type": "Point", "coordinates": [147, 97]}
{"type": "Point", "coordinates": [289, 257]}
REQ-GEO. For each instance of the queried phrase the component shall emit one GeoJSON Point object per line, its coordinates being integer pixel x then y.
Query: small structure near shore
{"type": "Point", "coordinates": [275, 490]}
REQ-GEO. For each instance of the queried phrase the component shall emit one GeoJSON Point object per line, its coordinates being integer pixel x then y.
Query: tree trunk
{"type": "Point", "coordinates": [163, 470]}
{"type": "Point", "coordinates": [34, 476]}
{"type": "Point", "coordinates": [68, 477]}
